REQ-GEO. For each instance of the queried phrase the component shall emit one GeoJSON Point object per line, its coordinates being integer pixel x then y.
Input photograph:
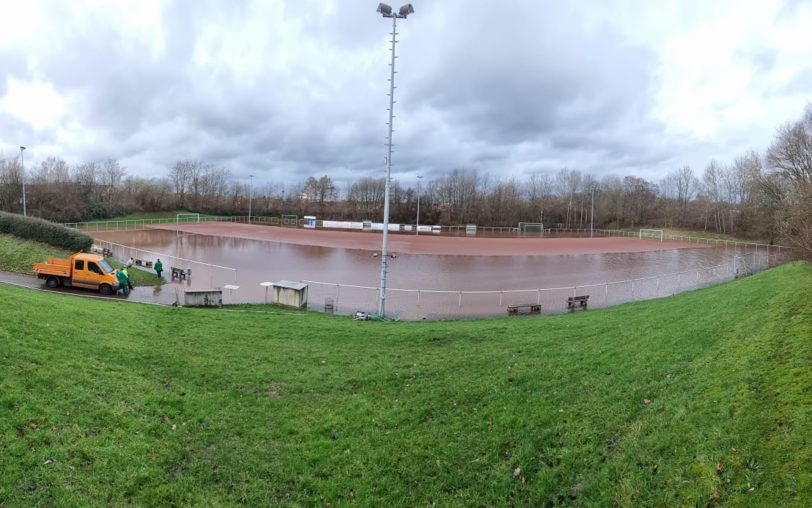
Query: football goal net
{"type": "Point", "coordinates": [535, 228]}
{"type": "Point", "coordinates": [290, 220]}
{"type": "Point", "coordinates": [654, 234]}
{"type": "Point", "coordinates": [183, 218]}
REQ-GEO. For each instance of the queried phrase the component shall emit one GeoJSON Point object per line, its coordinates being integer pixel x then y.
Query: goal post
{"type": "Point", "coordinates": [183, 218]}
{"type": "Point", "coordinates": [653, 234]}
{"type": "Point", "coordinates": [531, 227]}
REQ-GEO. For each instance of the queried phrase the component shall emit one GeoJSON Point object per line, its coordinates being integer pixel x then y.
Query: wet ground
{"type": "Point", "coordinates": [539, 273]}
{"type": "Point", "coordinates": [166, 294]}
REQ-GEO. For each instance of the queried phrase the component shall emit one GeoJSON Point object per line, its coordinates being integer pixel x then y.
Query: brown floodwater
{"type": "Point", "coordinates": [458, 285]}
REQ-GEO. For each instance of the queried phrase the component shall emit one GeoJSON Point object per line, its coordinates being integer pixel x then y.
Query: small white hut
{"type": "Point", "coordinates": [289, 293]}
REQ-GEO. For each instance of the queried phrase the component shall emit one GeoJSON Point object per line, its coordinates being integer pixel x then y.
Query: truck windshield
{"type": "Point", "coordinates": [105, 266]}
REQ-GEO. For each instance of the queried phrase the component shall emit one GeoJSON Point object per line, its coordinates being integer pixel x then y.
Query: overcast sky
{"type": "Point", "coordinates": [285, 90]}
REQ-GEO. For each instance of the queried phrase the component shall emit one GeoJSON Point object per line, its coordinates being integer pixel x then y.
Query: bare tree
{"type": "Point", "coordinates": [539, 190]}
{"type": "Point", "coordinates": [320, 191]}
{"type": "Point", "coordinates": [180, 175]}
{"type": "Point", "coordinates": [110, 174]}
{"type": "Point", "coordinates": [366, 196]}
{"type": "Point", "coordinates": [504, 204]}
{"type": "Point", "coordinates": [791, 152]}
{"type": "Point", "coordinates": [459, 194]}
{"type": "Point", "coordinates": [11, 185]}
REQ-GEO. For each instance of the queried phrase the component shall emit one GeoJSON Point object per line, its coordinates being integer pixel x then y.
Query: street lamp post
{"type": "Point", "coordinates": [250, 195]}
{"type": "Point", "coordinates": [22, 165]}
{"type": "Point", "coordinates": [417, 220]}
{"type": "Point", "coordinates": [387, 12]}
{"type": "Point", "coordinates": [592, 213]}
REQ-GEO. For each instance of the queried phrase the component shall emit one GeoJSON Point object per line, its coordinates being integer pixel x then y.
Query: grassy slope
{"type": "Point", "coordinates": [152, 215]}
{"type": "Point", "coordinates": [18, 255]}
{"type": "Point", "coordinates": [183, 406]}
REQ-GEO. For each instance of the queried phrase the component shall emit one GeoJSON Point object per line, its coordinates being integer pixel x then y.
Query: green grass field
{"type": "Point", "coordinates": [701, 399]}
{"type": "Point", "coordinates": [154, 215]}
{"type": "Point", "coordinates": [19, 255]}
{"type": "Point", "coordinates": [694, 233]}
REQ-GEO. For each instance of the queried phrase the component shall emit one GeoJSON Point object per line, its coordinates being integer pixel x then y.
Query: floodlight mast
{"type": "Point", "coordinates": [386, 12]}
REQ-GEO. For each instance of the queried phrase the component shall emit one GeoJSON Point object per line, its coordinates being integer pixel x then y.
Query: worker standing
{"type": "Point", "coordinates": [159, 267]}
{"type": "Point", "coordinates": [127, 274]}
{"type": "Point", "coordinates": [123, 281]}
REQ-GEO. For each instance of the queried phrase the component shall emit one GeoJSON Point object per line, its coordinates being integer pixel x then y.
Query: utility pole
{"type": "Point", "coordinates": [22, 165]}
{"type": "Point", "coordinates": [250, 195]}
{"type": "Point", "coordinates": [417, 220]}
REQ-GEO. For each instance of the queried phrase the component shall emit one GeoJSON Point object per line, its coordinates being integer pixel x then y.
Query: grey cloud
{"type": "Point", "coordinates": [799, 83]}
{"type": "Point", "coordinates": [502, 88]}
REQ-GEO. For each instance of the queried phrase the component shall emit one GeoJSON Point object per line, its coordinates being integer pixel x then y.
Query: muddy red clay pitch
{"type": "Point", "coordinates": [431, 244]}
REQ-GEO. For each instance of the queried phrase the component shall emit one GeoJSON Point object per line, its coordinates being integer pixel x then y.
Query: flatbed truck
{"type": "Point", "coordinates": [81, 270]}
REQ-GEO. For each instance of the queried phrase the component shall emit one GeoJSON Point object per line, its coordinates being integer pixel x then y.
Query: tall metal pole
{"type": "Point", "coordinates": [22, 165]}
{"type": "Point", "coordinates": [417, 221]}
{"type": "Point", "coordinates": [592, 214]}
{"type": "Point", "coordinates": [250, 195]}
{"type": "Point", "coordinates": [385, 246]}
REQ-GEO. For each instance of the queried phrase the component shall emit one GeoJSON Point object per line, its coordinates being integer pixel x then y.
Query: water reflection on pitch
{"type": "Point", "coordinates": [255, 261]}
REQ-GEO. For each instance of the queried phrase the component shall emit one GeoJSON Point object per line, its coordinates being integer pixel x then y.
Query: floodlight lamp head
{"type": "Point", "coordinates": [385, 10]}
{"type": "Point", "coordinates": [406, 10]}
{"type": "Point", "coordinates": [22, 148]}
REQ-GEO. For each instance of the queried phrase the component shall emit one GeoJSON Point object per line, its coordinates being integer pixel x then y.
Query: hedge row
{"type": "Point", "coordinates": [43, 231]}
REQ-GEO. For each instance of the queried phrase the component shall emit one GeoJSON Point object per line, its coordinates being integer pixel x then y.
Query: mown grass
{"type": "Point", "coordinates": [698, 233]}
{"type": "Point", "coordinates": [19, 255]}
{"type": "Point", "coordinates": [153, 215]}
{"type": "Point", "coordinates": [138, 276]}
{"type": "Point", "coordinates": [694, 233]}
{"type": "Point", "coordinates": [704, 398]}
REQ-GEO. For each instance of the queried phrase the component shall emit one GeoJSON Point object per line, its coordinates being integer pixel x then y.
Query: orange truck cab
{"type": "Point", "coordinates": [82, 270]}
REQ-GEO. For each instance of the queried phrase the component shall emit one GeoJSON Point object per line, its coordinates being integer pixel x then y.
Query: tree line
{"type": "Point", "coordinates": [762, 196]}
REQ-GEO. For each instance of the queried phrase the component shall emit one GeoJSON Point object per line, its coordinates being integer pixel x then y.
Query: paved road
{"type": "Point", "coordinates": [167, 294]}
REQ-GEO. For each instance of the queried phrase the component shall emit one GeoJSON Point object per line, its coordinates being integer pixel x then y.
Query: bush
{"type": "Point", "coordinates": [43, 231]}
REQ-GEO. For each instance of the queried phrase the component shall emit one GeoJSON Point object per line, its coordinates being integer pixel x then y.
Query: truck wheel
{"type": "Point", "coordinates": [52, 282]}
{"type": "Point", "coordinates": [105, 289]}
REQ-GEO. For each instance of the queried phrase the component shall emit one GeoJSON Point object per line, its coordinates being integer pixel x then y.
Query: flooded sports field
{"type": "Point", "coordinates": [429, 276]}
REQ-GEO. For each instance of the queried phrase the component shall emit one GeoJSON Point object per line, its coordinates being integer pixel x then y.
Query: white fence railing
{"type": "Point", "coordinates": [450, 303]}
{"type": "Point", "coordinates": [433, 303]}
{"type": "Point", "coordinates": [217, 274]}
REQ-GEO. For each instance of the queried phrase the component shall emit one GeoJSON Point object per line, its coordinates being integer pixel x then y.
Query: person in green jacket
{"type": "Point", "coordinates": [159, 267]}
{"type": "Point", "coordinates": [123, 281]}
{"type": "Point", "coordinates": [127, 274]}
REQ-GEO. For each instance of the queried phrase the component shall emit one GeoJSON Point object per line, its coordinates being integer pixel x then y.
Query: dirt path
{"type": "Point", "coordinates": [160, 295]}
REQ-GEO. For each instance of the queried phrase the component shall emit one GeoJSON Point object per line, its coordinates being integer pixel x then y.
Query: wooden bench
{"type": "Point", "coordinates": [178, 273]}
{"type": "Point", "coordinates": [107, 252]}
{"type": "Point", "coordinates": [577, 302]}
{"type": "Point", "coordinates": [145, 264]}
{"type": "Point", "coordinates": [524, 310]}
